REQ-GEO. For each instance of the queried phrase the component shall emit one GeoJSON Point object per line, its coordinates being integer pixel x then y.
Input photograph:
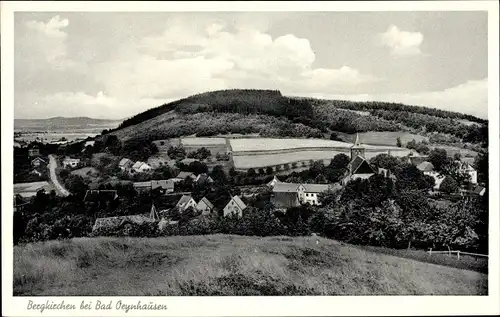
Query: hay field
{"type": "Point", "coordinates": [227, 265]}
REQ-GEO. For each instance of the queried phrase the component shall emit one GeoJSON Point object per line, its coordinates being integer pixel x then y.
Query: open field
{"type": "Point", "coordinates": [383, 138]}
{"type": "Point", "coordinates": [451, 150]}
{"type": "Point", "coordinates": [30, 189]}
{"type": "Point", "coordinates": [273, 159]}
{"type": "Point", "coordinates": [227, 265]}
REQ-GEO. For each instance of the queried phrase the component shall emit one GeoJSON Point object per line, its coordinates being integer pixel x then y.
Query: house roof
{"type": "Point", "coordinates": [184, 199]}
{"type": "Point", "coordinates": [69, 159]}
{"type": "Point", "coordinates": [355, 163]}
{"type": "Point", "coordinates": [237, 200]}
{"type": "Point", "coordinates": [125, 161]}
{"type": "Point", "coordinates": [188, 160]}
{"type": "Point", "coordinates": [204, 178]}
{"type": "Point", "coordinates": [207, 202]}
{"type": "Point", "coordinates": [274, 181]}
{"type": "Point", "coordinates": [100, 195]}
{"type": "Point", "coordinates": [142, 184]}
{"type": "Point", "coordinates": [38, 159]}
{"type": "Point", "coordinates": [478, 190]}
{"type": "Point", "coordinates": [315, 188]}
{"type": "Point", "coordinates": [183, 175]}
{"type": "Point", "coordinates": [285, 199]}
{"type": "Point", "coordinates": [164, 184]}
{"type": "Point", "coordinates": [425, 166]}
{"type": "Point", "coordinates": [285, 187]}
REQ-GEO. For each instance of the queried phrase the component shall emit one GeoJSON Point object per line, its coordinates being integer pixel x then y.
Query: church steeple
{"type": "Point", "coordinates": [357, 148]}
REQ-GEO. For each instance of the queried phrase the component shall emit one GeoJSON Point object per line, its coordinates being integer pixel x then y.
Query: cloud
{"type": "Point", "coordinates": [187, 59]}
{"type": "Point", "coordinates": [401, 43]}
{"type": "Point", "coordinates": [44, 46]}
{"type": "Point", "coordinates": [470, 98]}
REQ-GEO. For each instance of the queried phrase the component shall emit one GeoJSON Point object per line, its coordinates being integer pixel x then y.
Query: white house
{"type": "Point", "coordinates": [141, 167]}
{"type": "Point", "coordinates": [70, 162]}
{"type": "Point", "coordinates": [308, 193]}
{"type": "Point", "coordinates": [235, 206]}
{"type": "Point", "coordinates": [125, 164]}
{"type": "Point", "coordinates": [185, 202]}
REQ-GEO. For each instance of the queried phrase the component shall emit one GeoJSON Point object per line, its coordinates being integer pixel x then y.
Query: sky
{"type": "Point", "coordinates": [115, 65]}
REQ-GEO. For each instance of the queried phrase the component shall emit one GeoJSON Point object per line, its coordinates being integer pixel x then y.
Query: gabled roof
{"type": "Point", "coordinates": [479, 190]}
{"type": "Point", "coordinates": [315, 188]}
{"type": "Point", "coordinates": [204, 178]}
{"type": "Point", "coordinates": [137, 164]}
{"type": "Point", "coordinates": [183, 175]}
{"type": "Point", "coordinates": [274, 181]}
{"type": "Point", "coordinates": [206, 202]}
{"type": "Point", "coordinates": [142, 184]}
{"type": "Point", "coordinates": [285, 187]}
{"type": "Point", "coordinates": [356, 163]}
{"type": "Point", "coordinates": [184, 199]}
{"type": "Point", "coordinates": [425, 166]}
{"type": "Point", "coordinates": [38, 159]}
{"type": "Point", "coordinates": [164, 184]}
{"type": "Point", "coordinates": [188, 160]}
{"type": "Point", "coordinates": [237, 200]}
{"type": "Point", "coordinates": [125, 161]}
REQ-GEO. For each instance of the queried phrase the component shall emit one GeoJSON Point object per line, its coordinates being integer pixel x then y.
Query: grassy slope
{"type": "Point", "coordinates": [227, 265]}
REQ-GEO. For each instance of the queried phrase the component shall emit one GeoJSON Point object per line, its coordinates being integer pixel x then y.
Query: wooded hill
{"type": "Point", "coordinates": [314, 117]}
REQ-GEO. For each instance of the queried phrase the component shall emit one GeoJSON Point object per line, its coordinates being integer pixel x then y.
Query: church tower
{"type": "Point", "coordinates": [357, 149]}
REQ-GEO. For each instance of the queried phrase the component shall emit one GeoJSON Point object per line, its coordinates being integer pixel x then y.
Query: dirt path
{"type": "Point", "coordinates": [53, 177]}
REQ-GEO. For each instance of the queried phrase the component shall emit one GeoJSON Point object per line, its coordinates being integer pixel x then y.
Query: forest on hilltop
{"type": "Point", "coordinates": [319, 116]}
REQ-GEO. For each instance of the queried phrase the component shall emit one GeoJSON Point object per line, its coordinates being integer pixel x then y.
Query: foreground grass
{"type": "Point", "coordinates": [227, 265]}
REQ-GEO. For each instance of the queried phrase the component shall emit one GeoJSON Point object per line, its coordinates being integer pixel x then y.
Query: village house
{"type": "Point", "coordinates": [205, 206]}
{"type": "Point", "coordinates": [235, 206]}
{"type": "Point", "coordinates": [125, 164]}
{"type": "Point", "coordinates": [141, 167]}
{"type": "Point", "coordinates": [188, 161]}
{"type": "Point", "coordinates": [37, 161]}
{"type": "Point", "coordinates": [203, 179]}
{"type": "Point", "coordinates": [165, 185]}
{"type": "Point", "coordinates": [308, 193]}
{"type": "Point", "coordinates": [183, 175]}
{"type": "Point", "coordinates": [358, 167]}
{"type": "Point", "coordinates": [428, 169]}
{"type": "Point", "coordinates": [467, 168]}
{"type": "Point", "coordinates": [185, 202]}
{"type": "Point", "coordinates": [142, 187]}
{"type": "Point", "coordinates": [70, 162]}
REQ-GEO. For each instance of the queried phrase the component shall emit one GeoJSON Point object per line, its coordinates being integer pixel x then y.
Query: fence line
{"type": "Point", "coordinates": [458, 253]}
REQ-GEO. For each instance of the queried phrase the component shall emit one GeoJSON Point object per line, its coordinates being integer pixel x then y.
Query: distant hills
{"type": "Point", "coordinates": [270, 114]}
{"type": "Point", "coordinates": [64, 123]}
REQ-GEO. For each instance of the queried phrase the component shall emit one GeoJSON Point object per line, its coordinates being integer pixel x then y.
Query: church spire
{"type": "Point", "coordinates": [356, 142]}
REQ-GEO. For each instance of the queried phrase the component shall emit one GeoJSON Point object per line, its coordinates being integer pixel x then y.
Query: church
{"type": "Point", "coordinates": [358, 167]}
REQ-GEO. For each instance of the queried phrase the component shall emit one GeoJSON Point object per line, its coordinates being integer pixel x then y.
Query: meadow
{"type": "Point", "coordinates": [384, 138]}
{"type": "Point", "coordinates": [227, 265]}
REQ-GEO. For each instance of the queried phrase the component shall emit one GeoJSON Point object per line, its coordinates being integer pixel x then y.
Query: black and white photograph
{"type": "Point", "coordinates": [242, 153]}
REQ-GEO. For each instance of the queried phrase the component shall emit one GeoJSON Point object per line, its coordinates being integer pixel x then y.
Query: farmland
{"type": "Point", "coordinates": [384, 138]}
{"type": "Point", "coordinates": [227, 265]}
